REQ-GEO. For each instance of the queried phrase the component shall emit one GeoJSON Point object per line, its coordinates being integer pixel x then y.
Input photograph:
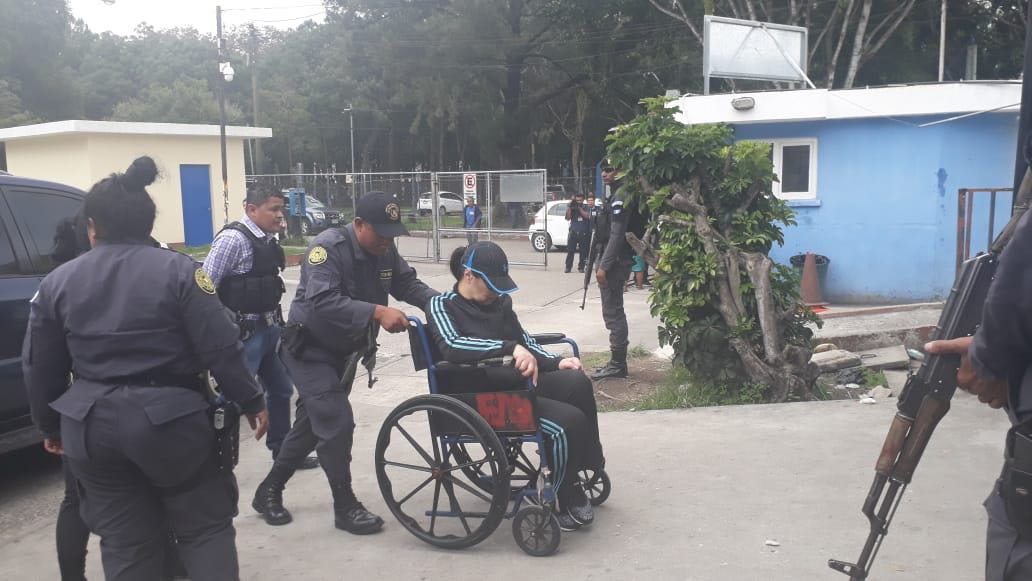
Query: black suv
{"type": "Point", "coordinates": [30, 211]}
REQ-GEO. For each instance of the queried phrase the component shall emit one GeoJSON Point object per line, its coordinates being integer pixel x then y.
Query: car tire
{"type": "Point", "coordinates": [443, 211]}
{"type": "Point", "coordinates": [541, 242]}
{"type": "Point", "coordinates": [306, 227]}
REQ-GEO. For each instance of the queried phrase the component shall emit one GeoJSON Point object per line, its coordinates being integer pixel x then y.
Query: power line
{"type": "Point", "coordinates": [321, 13]}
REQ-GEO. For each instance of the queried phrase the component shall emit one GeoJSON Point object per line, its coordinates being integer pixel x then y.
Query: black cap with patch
{"type": "Point", "coordinates": [488, 260]}
{"type": "Point", "coordinates": [382, 211]}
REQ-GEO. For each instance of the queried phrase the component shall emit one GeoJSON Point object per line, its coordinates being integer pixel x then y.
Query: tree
{"type": "Point", "coordinates": [838, 23]}
{"type": "Point", "coordinates": [184, 101]}
{"type": "Point", "coordinates": [732, 315]}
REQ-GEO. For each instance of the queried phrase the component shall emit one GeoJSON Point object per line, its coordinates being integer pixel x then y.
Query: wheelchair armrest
{"type": "Point", "coordinates": [505, 361]}
{"type": "Point", "coordinates": [548, 338]}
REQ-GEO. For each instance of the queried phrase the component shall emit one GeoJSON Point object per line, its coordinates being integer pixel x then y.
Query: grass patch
{"type": "Point", "coordinates": [427, 222]}
{"type": "Point", "coordinates": [875, 378]}
{"type": "Point", "coordinates": [638, 352]}
{"type": "Point", "coordinates": [680, 390]}
{"type": "Point", "coordinates": [592, 360]}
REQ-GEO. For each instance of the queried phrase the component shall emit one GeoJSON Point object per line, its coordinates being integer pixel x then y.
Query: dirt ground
{"type": "Point", "coordinates": [645, 374]}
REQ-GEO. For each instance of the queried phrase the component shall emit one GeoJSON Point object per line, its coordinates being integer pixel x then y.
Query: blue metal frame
{"type": "Point", "coordinates": [448, 441]}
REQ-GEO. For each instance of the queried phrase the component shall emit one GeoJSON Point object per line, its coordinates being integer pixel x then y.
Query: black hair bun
{"type": "Point", "coordinates": [141, 173]}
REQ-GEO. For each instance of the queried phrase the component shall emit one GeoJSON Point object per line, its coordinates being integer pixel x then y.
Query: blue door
{"type": "Point", "coordinates": [195, 181]}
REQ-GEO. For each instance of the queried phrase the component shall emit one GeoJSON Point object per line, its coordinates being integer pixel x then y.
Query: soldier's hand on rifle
{"type": "Point", "coordinates": [525, 362]}
{"type": "Point", "coordinates": [570, 363]}
{"type": "Point", "coordinates": [990, 391]}
{"type": "Point", "coordinates": [600, 276]}
{"type": "Point", "coordinates": [259, 423]}
{"type": "Point", "coordinates": [392, 320]}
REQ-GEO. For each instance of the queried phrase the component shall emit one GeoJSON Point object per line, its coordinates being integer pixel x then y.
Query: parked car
{"type": "Point", "coordinates": [318, 217]}
{"type": "Point", "coordinates": [558, 228]}
{"type": "Point", "coordinates": [447, 202]}
{"type": "Point", "coordinates": [28, 222]}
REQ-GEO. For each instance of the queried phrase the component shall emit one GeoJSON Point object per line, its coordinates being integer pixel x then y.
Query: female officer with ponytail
{"type": "Point", "coordinates": [135, 325]}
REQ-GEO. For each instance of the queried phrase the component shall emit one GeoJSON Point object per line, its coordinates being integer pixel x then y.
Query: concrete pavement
{"type": "Point", "coordinates": [696, 492]}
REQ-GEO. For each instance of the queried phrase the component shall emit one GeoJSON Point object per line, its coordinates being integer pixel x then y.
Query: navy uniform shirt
{"type": "Point", "coordinates": [620, 211]}
{"type": "Point", "coordinates": [340, 286]}
{"type": "Point", "coordinates": [122, 310]}
{"type": "Point", "coordinates": [1003, 344]}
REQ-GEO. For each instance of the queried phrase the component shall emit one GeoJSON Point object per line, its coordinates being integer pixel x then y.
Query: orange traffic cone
{"type": "Point", "coordinates": [810, 288]}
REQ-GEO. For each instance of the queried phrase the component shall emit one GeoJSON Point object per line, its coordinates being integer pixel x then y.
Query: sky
{"type": "Point", "coordinates": [122, 16]}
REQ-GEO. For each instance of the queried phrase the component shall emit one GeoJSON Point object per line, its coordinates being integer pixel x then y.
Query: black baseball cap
{"type": "Point", "coordinates": [381, 210]}
{"type": "Point", "coordinates": [488, 261]}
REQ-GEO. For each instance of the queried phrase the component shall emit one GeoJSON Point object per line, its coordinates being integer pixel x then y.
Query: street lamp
{"type": "Point", "coordinates": [351, 126]}
{"type": "Point", "coordinates": [225, 76]}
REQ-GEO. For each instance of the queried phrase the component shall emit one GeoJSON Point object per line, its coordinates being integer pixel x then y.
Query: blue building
{"type": "Point", "coordinates": [874, 174]}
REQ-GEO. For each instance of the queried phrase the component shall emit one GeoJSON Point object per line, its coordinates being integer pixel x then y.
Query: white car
{"type": "Point", "coordinates": [448, 203]}
{"type": "Point", "coordinates": [558, 228]}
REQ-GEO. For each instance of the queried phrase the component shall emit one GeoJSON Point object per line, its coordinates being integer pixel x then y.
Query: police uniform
{"type": "Point", "coordinates": [135, 325]}
{"type": "Point", "coordinates": [617, 217]}
{"type": "Point", "coordinates": [245, 264]}
{"type": "Point", "coordinates": [1002, 348]}
{"type": "Point", "coordinates": [329, 326]}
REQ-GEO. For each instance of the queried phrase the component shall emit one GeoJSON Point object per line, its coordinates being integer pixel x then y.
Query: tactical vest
{"type": "Point", "coordinates": [260, 289]}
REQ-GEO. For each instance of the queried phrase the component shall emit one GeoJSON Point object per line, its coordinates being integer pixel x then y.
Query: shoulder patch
{"type": "Point", "coordinates": [317, 255]}
{"type": "Point", "coordinates": [203, 281]}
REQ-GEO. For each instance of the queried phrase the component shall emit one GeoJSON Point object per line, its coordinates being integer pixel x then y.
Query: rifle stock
{"type": "Point", "coordinates": [925, 398]}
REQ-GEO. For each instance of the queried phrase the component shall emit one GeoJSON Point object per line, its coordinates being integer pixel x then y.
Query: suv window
{"type": "Point", "coordinates": [558, 210]}
{"type": "Point", "coordinates": [41, 211]}
{"type": "Point", "coordinates": [450, 196]}
{"type": "Point", "coordinates": [8, 263]}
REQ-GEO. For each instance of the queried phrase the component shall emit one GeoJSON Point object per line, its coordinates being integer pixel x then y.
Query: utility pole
{"type": "Point", "coordinates": [257, 164]}
{"type": "Point", "coordinates": [942, 41]}
{"type": "Point", "coordinates": [351, 126]}
{"type": "Point", "coordinates": [221, 82]}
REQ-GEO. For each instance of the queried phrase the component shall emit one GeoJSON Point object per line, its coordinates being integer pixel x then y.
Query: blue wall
{"type": "Point", "coordinates": [887, 192]}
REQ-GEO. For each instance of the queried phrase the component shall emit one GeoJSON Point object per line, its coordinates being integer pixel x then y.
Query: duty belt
{"type": "Point", "coordinates": [185, 380]}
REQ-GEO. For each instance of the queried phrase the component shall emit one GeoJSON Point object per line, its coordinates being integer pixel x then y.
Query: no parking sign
{"type": "Point", "coordinates": [469, 184]}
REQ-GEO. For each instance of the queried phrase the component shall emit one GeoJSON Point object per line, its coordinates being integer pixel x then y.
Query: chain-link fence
{"type": "Point", "coordinates": [434, 209]}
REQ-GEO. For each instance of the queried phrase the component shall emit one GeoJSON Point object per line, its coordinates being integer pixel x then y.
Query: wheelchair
{"type": "Point", "coordinates": [468, 461]}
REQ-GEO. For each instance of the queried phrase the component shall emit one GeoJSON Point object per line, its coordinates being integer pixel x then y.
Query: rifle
{"type": "Point", "coordinates": [589, 270]}
{"type": "Point", "coordinates": [926, 396]}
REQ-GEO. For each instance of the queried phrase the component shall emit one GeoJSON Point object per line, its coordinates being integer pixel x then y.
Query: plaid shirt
{"type": "Point", "coordinates": [231, 253]}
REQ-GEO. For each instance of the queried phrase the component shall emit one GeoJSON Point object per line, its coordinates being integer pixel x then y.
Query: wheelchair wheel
{"type": "Point", "coordinates": [596, 485]}
{"type": "Point", "coordinates": [414, 466]}
{"type": "Point", "coordinates": [522, 470]}
{"type": "Point", "coordinates": [536, 530]}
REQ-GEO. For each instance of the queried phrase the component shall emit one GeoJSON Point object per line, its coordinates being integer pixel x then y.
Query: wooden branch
{"type": "Point", "coordinates": [759, 266]}
{"type": "Point", "coordinates": [873, 49]}
{"type": "Point", "coordinates": [734, 278]}
{"type": "Point", "coordinates": [833, 64]}
{"type": "Point", "coordinates": [824, 31]}
{"type": "Point", "coordinates": [645, 250]}
{"type": "Point", "coordinates": [680, 17]}
{"type": "Point", "coordinates": [750, 196]}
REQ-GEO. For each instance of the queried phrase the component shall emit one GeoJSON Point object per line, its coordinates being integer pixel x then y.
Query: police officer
{"type": "Point", "coordinates": [996, 365]}
{"type": "Point", "coordinates": [617, 217]}
{"type": "Point", "coordinates": [579, 216]}
{"type": "Point", "coordinates": [244, 263]}
{"type": "Point", "coordinates": [340, 304]}
{"type": "Point", "coordinates": [135, 325]}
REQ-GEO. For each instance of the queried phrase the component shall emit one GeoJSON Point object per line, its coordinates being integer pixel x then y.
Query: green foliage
{"type": "Point", "coordinates": [682, 389]}
{"type": "Point", "coordinates": [184, 101]}
{"type": "Point", "coordinates": [734, 179]}
{"type": "Point", "coordinates": [639, 352]}
{"type": "Point", "coordinates": [875, 378]}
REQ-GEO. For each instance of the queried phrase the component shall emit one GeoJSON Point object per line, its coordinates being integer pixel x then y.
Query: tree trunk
{"type": "Point", "coordinates": [833, 63]}
{"type": "Point", "coordinates": [858, 44]}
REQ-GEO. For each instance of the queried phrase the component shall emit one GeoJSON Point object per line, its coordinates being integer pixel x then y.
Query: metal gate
{"type": "Point", "coordinates": [513, 204]}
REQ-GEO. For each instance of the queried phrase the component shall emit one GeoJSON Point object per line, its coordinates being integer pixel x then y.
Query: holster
{"type": "Point", "coordinates": [225, 418]}
{"type": "Point", "coordinates": [1016, 480]}
{"type": "Point", "coordinates": [294, 340]}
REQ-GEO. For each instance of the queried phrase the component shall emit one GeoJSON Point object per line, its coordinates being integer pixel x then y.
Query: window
{"type": "Point", "coordinates": [41, 211]}
{"type": "Point", "coordinates": [8, 263]}
{"type": "Point", "coordinates": [558, 210]}
{"type": "Point", "coordinates": [795, 163]}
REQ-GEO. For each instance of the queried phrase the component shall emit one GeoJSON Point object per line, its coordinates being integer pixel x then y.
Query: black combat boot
{"type": "Point", "coordinates": [349, 514]}
{"type": "Point", "coordinates": [617, 366]}
{"type": "Point", "coordinates": [268, 499]}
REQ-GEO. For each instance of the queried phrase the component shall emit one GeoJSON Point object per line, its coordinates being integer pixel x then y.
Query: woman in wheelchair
{"type": "Point", "coordinates": [476, 321]}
